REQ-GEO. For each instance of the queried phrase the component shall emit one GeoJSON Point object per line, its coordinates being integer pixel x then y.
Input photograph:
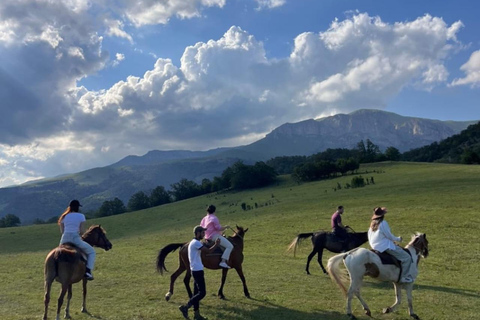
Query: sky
{"type": "Point", "coordinates": [84, 83]}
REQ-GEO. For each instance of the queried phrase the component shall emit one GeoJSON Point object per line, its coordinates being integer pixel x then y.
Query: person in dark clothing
{"type": "Point", "coordinates": [338, 229]}
{"type": "Point", "coordinates": [195, 248]}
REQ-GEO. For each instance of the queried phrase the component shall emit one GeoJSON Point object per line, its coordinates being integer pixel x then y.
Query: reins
{"type": "Point", "coordinates": [236, 233]}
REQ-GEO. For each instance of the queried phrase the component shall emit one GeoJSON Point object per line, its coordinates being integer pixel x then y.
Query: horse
{"type": "Point", "coordinates": [327, 240]}
{"type": "Point", "coordinates": [361, 262]}
{"type": "Point", "coordinates": [66, 265]}
{"type": "Point", "coordinates": [209, 260]}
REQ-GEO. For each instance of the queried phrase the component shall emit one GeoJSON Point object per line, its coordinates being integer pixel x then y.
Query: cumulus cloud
{"type": "Point", "coordinates": [472, 71]}
{"type": "Point", "coordinates": [225, 92]}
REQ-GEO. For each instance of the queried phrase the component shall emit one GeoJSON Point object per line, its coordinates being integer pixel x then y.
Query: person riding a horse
{"type": "Point", "coordinates": [381, 239]}
{"type": "Point", "coordinates": [72, 225]}
{"type": "Point", "coordinates": [213, 232]}
{"type": "Point", "coordinates": [338, 229]}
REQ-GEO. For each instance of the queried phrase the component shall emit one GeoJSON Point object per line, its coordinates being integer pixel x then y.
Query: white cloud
{"type": "Point", "coordinates": [270, 4]}
{"type": "Point", "coordinates": [472, 71]}
{"type": "Point", "coordinates": [225, 92]}
{"type": "Point", "coordinates": [119, 57]}
{"type": "Point", "coordinates": [115, 28]}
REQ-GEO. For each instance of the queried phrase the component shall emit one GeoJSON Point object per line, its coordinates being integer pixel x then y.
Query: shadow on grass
{"type": "Point", "coordinates": [462, 292]}
{"type": "Point", "coordinates": [262, 310]}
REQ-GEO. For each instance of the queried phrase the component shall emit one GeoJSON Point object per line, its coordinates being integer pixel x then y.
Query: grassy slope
{"type": "Point", "coordinates": [441, 200]}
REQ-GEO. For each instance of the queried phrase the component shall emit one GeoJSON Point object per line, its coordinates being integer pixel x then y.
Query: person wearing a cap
{"type": "Point", "coordinates": [214, 231]}
{"type": "Point", "coordinates": [381, 239]}
{"type": "Point", "coordinates": [72, 225]}
{"type": "Point", "coordinates": [195, 248]}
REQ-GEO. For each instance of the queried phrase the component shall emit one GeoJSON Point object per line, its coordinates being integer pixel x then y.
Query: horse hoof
{"type": "Point", "coordinates": [351, 316]}
{"type": "Point", "coordinates": [221, 297]}
{"type": "Point", "coordinates": [387, 310]}
{"type": "Point", "coordinates": [168, 296]}
{"type": "Point", "coordinates": [84, 310]}
{"type": "Point", "coordinates": [414, 316]}
{"type": "Point", "coordinates": [368, 313]}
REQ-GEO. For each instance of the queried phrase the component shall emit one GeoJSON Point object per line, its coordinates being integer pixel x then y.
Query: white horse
{"type": "Point", "coordinates": [361, 262]}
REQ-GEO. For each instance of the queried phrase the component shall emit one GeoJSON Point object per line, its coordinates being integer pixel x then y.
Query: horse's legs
{"type": "Point", "coordinates": [398, 299]}
{"type": "Point", "coordinates": [409, 288]}
{"type": "Point", "coordinates": [320, 255]}
{"type": "Point", "coordinates": [174, 277]}
{"type": "Point", "coordinates": [60, 299]}
{"type": "Point", "coordinates": [48, 287]}
{"type": "Point", "coordinates": [69, 297]}
{"type": "Point", "coordinates": [364, 304]}
{"type": "Point", "coordinates": [242, 277]}
{"type": "Point", "coordinates": [310, 256]}
{"type": "Point", "coordinates": [224, 277]}
{"type": "Point", "coordinates": [354, 289]}
{"type": "Point", "coordinates": [84, 302]}
{"type": "Point", "coordinates": [186, 281]}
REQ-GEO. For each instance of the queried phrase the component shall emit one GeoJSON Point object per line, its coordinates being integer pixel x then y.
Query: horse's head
{"type": "Point", "coordinates": [420, 243]}
{"type": "Point", "coordinates": [96, 236]}
{"type": "Point", "coordinates": [240, 231]}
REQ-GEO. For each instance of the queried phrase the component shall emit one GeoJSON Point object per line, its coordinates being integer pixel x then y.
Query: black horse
{"type": "Point", "coordinates": [327, 240]}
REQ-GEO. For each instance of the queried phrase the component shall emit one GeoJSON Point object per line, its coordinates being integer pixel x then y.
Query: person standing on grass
{"type": "Point", "coordinates": [213, 232]}
{"type": "Point", "coordinates": [72, 225]}
{"type": "Point", "coordinates": [195, 248]}
{"type": "Point", "coordinates": [381, 239]}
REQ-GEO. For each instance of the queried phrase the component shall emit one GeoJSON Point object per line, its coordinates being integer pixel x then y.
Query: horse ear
{"type": "Point", "coordinates": [236, 226]}
{"type": "Point", "coordinates": [245, 230]}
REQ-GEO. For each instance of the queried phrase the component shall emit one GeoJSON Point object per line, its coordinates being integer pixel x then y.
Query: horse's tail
{"type": "Point", "coordinates": [297, 241]}
{"type": "Point", "coordinates": [163, 254]}
{"type": "Point", "coordinates": [337, 274]}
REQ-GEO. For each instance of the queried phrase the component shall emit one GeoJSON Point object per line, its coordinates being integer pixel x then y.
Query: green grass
{"type": "Point", "coordinates": [440, 200]}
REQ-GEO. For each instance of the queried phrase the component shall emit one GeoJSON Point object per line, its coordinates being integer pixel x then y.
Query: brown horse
{"type": "Point", "coordinates": [67, 265]}
{"type": "Point", "coordinates": [210, 261]}
{"type": "Point", "coordinates": [327, 240]}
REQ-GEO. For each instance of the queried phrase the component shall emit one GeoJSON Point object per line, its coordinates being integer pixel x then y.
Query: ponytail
{"type": "Point", "coordinates": [375, 223]}
{"type": "Point", "coordinates": [67, 211]}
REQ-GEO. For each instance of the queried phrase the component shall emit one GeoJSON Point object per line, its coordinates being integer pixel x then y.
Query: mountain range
{"type": "Point", "coordinates": [45, 198]}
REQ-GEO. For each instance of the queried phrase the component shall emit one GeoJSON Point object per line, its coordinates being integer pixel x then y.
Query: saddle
{"type": "Point", "coordinates": [389, 259]}
{"type": "Point", "coordinates": [218, 250]}
{"type": "Point", "coordinates": [79, 252]}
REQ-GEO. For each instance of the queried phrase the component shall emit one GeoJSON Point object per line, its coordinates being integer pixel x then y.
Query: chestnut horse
{"type": "Point", "coordinates": [209, 260]}
{"type": "Point", "coordinates": [361, 262]}
{"type": "Point", "coordinates": [66, 265]}
{"type": "Point", "coordinates": [327, 240]}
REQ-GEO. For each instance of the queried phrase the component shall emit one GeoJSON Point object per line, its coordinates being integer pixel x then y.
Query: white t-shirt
{"type": "Point", "coordinates": [71, 222]}
{"type": "Point", "coordinates": [194, 255]}
{"type": "Point", "coordinates": [382, 238]}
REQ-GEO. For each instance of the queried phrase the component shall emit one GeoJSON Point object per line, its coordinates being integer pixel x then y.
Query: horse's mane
{"type": "Point", "coordinates": [95, 226]}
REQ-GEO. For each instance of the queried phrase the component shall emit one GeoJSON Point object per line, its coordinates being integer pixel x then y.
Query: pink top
{"type": "Point", "coordinates": [211, 223]}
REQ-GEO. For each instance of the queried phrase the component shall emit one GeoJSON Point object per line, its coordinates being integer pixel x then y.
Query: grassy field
{"type": "Point", "coordinates": [440, 200]}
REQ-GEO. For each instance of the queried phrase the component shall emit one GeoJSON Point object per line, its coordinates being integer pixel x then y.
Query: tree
{"type": "Point", "coordinates": [392, 154]}
{"type": "Point", "coordinates": [159, 196]}
{"type": "Point", "coordinates": [10, 220]}
{"type": "Point", "coordinates": [110, 208]}
{"type": "Point", "coordinates": [185, 189]}
{"type": "Point", "coordinates": [138, 201]}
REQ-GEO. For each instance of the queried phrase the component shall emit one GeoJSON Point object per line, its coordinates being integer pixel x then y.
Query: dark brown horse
{"type": "Point", "coordinates": [327, 240]}
{"type": "Point", "coordinates": [210, 261]}
{"type": "Point", "coordinates": [66, 265]}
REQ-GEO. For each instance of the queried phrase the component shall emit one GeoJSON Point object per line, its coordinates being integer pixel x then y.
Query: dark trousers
{"type": "Point", "coordinates": [199, 290]}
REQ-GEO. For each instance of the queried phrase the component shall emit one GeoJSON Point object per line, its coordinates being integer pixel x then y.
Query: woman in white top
{"type": "Point", "coordinates": [381, 239]}
{"type": "Point", "coordinates": [72, 225]}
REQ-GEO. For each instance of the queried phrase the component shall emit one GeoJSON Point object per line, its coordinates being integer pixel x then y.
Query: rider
{"type": "Point", "coordinates": [213, 232]}
{"type": "Point", "coordinates": [72, 224]}
{"type": "Point", "coordinates": [195, 247]}
{"type": "Point", "coordinates": [381, 239]}
{"type": "Point", "coordinates": [338, 229]}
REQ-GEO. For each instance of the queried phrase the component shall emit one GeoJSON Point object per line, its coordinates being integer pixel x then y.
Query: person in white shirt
{"type": "Point", "coordinates": [72, 225]}
{"type": "Point", "coordinates": [381, 239]}
{"type": "Point", "coordinates": [195, 248]}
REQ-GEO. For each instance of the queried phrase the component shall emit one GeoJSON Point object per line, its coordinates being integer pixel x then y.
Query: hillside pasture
{"type": "Point", "coordinates": [437, 199]}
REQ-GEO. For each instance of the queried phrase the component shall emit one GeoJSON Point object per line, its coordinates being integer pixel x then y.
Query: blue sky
{"type": "Point", "coordinates": [85, 83]}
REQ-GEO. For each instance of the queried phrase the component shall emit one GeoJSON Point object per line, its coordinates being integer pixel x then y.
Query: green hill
{"type": "Point", "coordinates": [438, 199]}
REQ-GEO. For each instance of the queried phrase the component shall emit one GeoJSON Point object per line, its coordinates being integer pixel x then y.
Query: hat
{"type": "Point", "coordinates": [198, 229]}
{"type": "Point", "coordinates": [379, 212]}
{"type": "Point", "coordinates": [74, 203]}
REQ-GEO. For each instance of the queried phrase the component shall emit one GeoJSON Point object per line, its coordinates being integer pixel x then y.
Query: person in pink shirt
{"type": "Point", "coordinates": [214, 231]}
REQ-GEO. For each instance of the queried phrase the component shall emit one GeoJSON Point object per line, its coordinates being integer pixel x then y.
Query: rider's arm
{"type": "Point", "coordinates": [62, 227]}
{"type": "Point", "coordinates": [385, 228]}
{"type": "Point", "coordinates": [82, 227]}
